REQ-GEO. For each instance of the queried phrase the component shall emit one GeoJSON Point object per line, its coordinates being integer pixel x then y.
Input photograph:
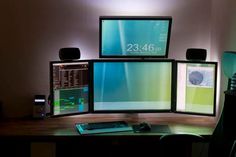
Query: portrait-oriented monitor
{"type": "Point", "coordinates": [196, 87]}
{"type": "Point", "coordinates": [132, 86]}
{"type": "Point", "coordinates": [134, 36]}
{"type": "Point", "coordinates": [69, 83]}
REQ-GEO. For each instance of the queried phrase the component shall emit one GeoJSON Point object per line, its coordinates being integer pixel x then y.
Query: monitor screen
{"type": "Point", "coordinates": [134, 36]}
{"type": "Point", "coordinates": [196, 87]}
{"type": "Point", "coordinates": [69, 82]}
{"type": "Point", "coordinates": [132, 86]}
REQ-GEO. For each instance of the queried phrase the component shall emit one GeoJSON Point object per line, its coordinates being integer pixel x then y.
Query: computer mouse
{"type": "Point", "coordinates": [144, 127]}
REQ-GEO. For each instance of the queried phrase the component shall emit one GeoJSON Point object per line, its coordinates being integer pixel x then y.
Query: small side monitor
{"type": "Point", "coordinates": [196, 87]}
{"type": "Point", "coordinates": [69, 83]}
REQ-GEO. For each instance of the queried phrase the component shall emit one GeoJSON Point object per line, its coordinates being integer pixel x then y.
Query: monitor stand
{"type": "Point", "coordinates": [131, 117]}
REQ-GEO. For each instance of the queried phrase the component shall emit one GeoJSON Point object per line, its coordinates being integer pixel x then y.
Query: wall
{"type": "Point", "coordinates": [223, 37]}
{"type": "Point", "coordinates": [32, 32]}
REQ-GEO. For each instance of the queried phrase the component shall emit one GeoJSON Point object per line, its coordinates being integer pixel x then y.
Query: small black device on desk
{"type": "Point", "coordinates": [39, 108]}
{"type": "Point", "coordinates": [145, 127]}
{"type": "Point", "coordinates": [142, 127]}
{"type": "Point", "coordinates": [102, 127]}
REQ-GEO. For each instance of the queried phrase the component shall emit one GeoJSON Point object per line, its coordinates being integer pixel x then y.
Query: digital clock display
{"type": "Point", "coordinates": [142, 49]}
{"type": "Point", "coordinates": [127, 37]}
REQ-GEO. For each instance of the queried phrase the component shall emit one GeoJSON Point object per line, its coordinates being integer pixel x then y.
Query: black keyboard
{"type": "Point", "coordinates": [102, 127]}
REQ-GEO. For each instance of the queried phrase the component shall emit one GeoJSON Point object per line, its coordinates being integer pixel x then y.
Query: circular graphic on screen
{"type": "Point", "coordinates": [196, 77]}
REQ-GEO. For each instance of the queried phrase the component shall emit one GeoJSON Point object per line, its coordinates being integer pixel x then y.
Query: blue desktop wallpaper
{"type": "Point", "coordinates": [134, 37]}
{"type": "Point", "coordinates": [132, 85]}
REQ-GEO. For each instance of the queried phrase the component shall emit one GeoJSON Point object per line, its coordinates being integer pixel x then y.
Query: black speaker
{"type": "Point", "coordinates": [69, 53]}
{"type": "Point", "coordinates": [196, 54]}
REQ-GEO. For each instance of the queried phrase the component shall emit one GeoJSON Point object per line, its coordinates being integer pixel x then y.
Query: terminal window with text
{"type": "Point", "coordinates": [134, 36]}
{"type": "Point", "coordinates": [135, 86]}
{"type": "Point", "coordinates": [69, 87]}
{"type": "Point", "coordinates": [196, 87]}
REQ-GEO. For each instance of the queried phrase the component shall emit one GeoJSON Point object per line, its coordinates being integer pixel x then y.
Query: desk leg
{"type": "Point", "coordinates": [43, 149]}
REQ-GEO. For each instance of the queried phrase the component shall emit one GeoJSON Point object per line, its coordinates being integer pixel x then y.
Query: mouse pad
{"type": "Point", "coordinates": [154, 129]}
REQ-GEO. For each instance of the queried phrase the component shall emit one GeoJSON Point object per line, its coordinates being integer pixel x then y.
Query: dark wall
{"type": "Point", "coordinates": [32, 32]}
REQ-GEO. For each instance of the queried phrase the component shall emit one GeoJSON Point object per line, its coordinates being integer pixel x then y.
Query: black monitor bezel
{"type": "Point", "coordinates": [130, 111]}
{"type": "Point", "coordinates": [215, 85]}
{"type": "Point", "coordinates": [51, 98]}
{"type": "Point", "coordinates": [169, 18]}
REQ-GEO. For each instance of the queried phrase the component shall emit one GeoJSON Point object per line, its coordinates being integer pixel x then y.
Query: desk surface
{"type": "Point", "coordinates": [64, 127]}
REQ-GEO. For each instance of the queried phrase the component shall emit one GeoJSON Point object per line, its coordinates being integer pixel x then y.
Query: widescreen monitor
{"type": "Point", "coordinates": [131, 86]}
{"type": "Point", "coordinates": [131, 37]}
{"type": "Point", "coordinates": [196, 87]}
{"type": "Point", "coordinates": [69, 83]}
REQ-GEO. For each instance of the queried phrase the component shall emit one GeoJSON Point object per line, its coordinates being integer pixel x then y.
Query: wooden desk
{"type": "Point", "coordinates": [55, 128]}
{"type": "Point", "coordinates": [61, 130]}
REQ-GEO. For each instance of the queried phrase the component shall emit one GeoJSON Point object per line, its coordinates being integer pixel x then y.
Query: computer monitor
{"type": "Point", "coordinates": [69, 86]}
{"type": "Point", "coordinates": [196, 87]}
{"type": "Point", "coordinates": [131, 37]}
{"type": "Point", "coordinates": [131, 86]}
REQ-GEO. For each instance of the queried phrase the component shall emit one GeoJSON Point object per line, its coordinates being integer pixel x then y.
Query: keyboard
{"type": "Point", "coordinates": [102, 127]}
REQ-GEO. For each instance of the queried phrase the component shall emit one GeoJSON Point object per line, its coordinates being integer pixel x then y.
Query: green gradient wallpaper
{"type": "Point", "coordinates": [134, 37]}
{"type": "Point", "coordinates": [143, 83]}
{"type": "Point", "coordinates": [202, 96]}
